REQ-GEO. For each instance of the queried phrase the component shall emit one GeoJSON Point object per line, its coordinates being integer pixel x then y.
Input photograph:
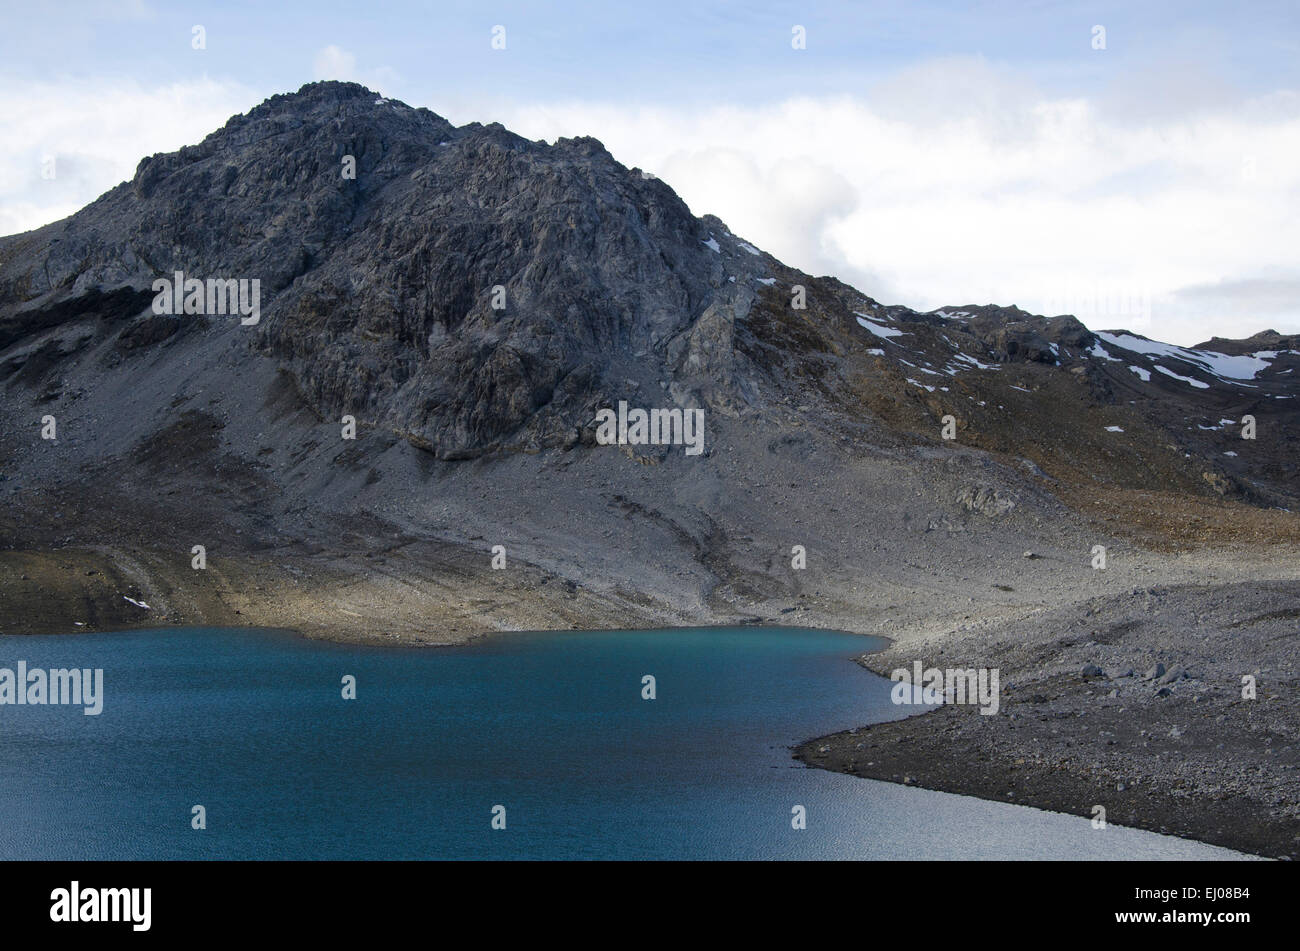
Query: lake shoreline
{"type": "Point", "coordinates": [1194, 761]}
{"type": "Point", "coordinates": [351, 601]}
{"type": "Point", "coordinates": [729, 694]}
{"type": "Point", "coordinates": [917, 752]}
{"type": "Point", "coordinates": [1139, 706]}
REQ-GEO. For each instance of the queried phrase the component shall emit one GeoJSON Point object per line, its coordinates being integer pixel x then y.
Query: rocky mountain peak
{"type": "Point", "coordinates": [474, 292]}
{"type": "Point", "coordinates": [453, 284]}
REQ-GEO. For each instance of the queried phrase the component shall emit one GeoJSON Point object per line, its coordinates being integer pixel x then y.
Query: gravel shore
{"type": "Point", "coordinates": [1134, 703]}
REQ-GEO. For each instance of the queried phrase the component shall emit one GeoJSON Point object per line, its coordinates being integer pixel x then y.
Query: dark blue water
{"type": "Point", "coordinates": [252, 725]}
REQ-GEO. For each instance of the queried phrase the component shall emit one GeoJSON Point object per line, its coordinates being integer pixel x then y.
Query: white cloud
{"type": "Point", "coordinates": [335, 63]}
{"type": "Point", "coordinates": [952, 184]}
{"type": "Point", "coordinates": [96, 133]}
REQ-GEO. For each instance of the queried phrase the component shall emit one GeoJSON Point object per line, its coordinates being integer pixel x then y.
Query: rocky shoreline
{"type": "Point", "coordinates": [1137, 707]}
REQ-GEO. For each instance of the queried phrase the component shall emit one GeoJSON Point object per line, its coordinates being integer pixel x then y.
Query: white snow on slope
{"type": "Point", "coordinates": [712, 245]}
{"type": "Point", "coordinates": [750, 248]}
{"type": "Point", "coordinates": [880, 330]}
{"type": "Point", "coordinates": [138, 604]}
{"type": "Point", "coordinates": [1113, 429]}
{"type": "Point", "coordinates": [1222, 365]}
{"type": "Point", "coordinates": [975, 363]}
{"type": "Point", "coordinates": [1186, 379]}
{"type": "Point", "coordinates": [1144, 374]}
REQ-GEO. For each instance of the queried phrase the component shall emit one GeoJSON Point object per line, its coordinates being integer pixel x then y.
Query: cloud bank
{"type": "Point", "coordinates": [68, 142]}
{"type": "Point", "coordinates": [952, 185]}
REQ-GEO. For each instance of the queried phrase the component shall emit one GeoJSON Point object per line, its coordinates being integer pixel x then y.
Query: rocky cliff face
{"type": "Point", "coordinates": [467, 288]}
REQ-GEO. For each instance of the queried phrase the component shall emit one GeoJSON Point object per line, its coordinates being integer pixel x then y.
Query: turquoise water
{"type": "Point", "coordinates": [252, 725]}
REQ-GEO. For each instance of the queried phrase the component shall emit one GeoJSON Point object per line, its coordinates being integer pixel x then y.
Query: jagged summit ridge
{"type": "Point", "coordinates": [377, 288]}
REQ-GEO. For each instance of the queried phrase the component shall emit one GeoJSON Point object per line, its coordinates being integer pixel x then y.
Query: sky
{"type": "Point", "coordinates": [1136, 164]}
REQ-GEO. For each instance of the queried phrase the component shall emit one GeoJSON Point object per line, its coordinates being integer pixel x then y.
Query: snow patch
{"type": "Point", "coordinates": [975, 363]}
{"type": "Point", "coordinates": [1144, 374]}
{"type": "Point", "coordinates": [1186, 379]}
{"type": "Point", "coordinates": [880, 330]}
{"type": "Point", "coordinates": [1226, 367]}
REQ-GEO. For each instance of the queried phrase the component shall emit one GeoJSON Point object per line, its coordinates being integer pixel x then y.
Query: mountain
{"type": "Point", "coordinates": [473, 300]}
{"type": "Point", "coordinates": [478, 306]}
